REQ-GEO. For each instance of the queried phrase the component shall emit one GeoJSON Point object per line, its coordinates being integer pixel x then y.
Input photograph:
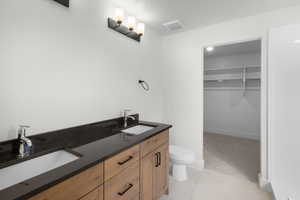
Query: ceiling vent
{"type": "Point", "coordinates": [173, 25]}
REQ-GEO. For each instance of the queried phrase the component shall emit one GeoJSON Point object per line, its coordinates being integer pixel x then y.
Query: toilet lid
{"type": "Point", "coordinates": [181, 153]}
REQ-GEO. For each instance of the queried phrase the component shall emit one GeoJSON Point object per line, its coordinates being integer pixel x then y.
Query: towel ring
{"type": "Point", "coordinates": [144, 85]}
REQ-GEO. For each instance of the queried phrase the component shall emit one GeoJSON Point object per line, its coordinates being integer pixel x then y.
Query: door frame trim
{"type": "Point", "coordinates": [265, 169]}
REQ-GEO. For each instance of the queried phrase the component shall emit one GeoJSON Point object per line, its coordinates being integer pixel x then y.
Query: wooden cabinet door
{"type": "Point", "coordinates": [97, 194]}
{"type": "Point", "coordinates": [154, 142]}
{"type": "Point", "coordinates": [75, 187]}
{"type": "Point", "coordinates": [161, 171]}
{"type": "Point", "coordinates": [147, 176]}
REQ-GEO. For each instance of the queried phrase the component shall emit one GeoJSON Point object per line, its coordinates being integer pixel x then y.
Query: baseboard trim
{"type": "Point", "coordinates": [273, 192]}
{"type": "Point", "coordinates": [246, 135]}
{"type": "Point", "coordinates": [264, 184]}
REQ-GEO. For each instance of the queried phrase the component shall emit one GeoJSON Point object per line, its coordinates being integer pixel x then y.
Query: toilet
{"type": "Point", "coordinates": [180, 158]}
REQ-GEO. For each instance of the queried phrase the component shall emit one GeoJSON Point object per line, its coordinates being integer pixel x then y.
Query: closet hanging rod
{"type": "Point", "coordinates": [231, 68]}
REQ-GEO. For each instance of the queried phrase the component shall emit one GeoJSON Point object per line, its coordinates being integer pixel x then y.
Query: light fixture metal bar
{"type": "Point", "coordinates": [112, 24]}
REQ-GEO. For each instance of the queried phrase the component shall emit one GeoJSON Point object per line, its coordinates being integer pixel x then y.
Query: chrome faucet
{"type": "Point", "coordinates": [25, 144]}
{"type": "Point", "coordinates": [126, 117]}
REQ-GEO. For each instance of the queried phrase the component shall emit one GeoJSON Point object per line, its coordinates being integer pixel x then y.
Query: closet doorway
{"type": "Point", "coordinates": [232, 109]}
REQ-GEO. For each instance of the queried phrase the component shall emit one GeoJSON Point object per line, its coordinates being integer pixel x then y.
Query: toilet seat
{"type": "Point", "coordinates": [181, 155]}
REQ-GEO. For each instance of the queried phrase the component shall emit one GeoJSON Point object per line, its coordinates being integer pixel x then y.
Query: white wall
{"type": "Point", "coordinates": [229, 112]}
{"type": "Point", "coordinates": [63, 67]}
{"type": "Point", "coordinates": [184, 86]}
{"type": "Point", "coordinates": [237, 60]}
{"type": "Point", "coordinates": [284, 63]}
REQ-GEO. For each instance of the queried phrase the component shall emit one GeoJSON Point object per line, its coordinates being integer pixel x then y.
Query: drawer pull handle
{"type": "Point", "coordinates": [157, 159]}
{"type": "Point", "coordinates": [126, 190]}
{"type": "Point", "coordinates": [125, 161]}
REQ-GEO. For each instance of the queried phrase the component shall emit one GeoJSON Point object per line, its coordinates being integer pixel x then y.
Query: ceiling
{"type": "Point", "coordinates": [197, 13]}
{"type": "Point", "coordinates": [237, 48]}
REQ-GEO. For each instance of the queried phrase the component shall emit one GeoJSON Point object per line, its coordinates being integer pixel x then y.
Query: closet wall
{"type": "Point", "coordinates": [231, 111]}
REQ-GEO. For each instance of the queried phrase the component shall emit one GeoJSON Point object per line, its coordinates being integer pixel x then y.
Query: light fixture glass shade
{"type": "Point", "coordinates": [140, 29]}
{"type": "Point", "coordinates": [119, 15]}
{"type": "Point", "coordinates": [131, 22]}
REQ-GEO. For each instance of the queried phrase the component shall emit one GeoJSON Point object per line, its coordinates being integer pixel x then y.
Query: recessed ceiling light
{"type": "Point", "coordinates": [209, 49]}
{"type": "Point", "coordinates": [297, 41]}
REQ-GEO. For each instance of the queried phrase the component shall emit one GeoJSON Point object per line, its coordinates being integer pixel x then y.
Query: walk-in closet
{"type": "Point", "coordinates": [232, 96]}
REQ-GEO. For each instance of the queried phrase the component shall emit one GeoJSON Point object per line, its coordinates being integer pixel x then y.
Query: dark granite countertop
{"type": "Point", "coordinates": [94, 142]}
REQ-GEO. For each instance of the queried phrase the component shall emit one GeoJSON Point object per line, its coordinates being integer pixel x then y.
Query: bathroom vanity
{"type": "Point", "coordinates": [111, 165]}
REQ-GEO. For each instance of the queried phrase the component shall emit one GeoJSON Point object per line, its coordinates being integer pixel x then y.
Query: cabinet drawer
{"type": "Point", "coordinates": [97, 194]}
{"type": "Point", "coordinates": [75, 187]}
{"type": "Point", "coordinates": [121, 161]}
{"type": "Point", "coordinates": [154, 142]}
{"type": "Point", "coordinates": [125, 186]}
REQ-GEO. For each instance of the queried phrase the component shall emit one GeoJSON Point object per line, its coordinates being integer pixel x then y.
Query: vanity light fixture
{"type": "Point", "coordinates": [210, 49]}
{"type": "Point", "coordinates": [131, 23]}
{"type": "Point", "coordinates": [119, 15]}
{"type": "Point", "coordinates": [132, 29]}
{"type": "Point", "coordinates": [140, 29]}
{"type": "Point", "coordinates": [65, 3]}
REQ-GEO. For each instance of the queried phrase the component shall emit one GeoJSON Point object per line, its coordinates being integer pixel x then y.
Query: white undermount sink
{"type": "Point", "coordinates": [136, 130]}
{"type": "Point", "coordinates": [28, 169]}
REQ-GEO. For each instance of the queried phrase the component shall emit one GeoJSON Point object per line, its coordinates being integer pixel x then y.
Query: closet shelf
{"type": "Point", "coordinates": [222, 77]}
{"type": "Point", "coordinates": [242, 78]}
{"type": "Point", "coordinates": [236, 68]}
{"type": "Point", "coordinates": [232, 89]}
{"type": "Point", "coordinates": [253, 75]}
{"type": "Point", "coordinates": [226, 77]}
{"type": "Point", "coordinates": [234, 73]}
